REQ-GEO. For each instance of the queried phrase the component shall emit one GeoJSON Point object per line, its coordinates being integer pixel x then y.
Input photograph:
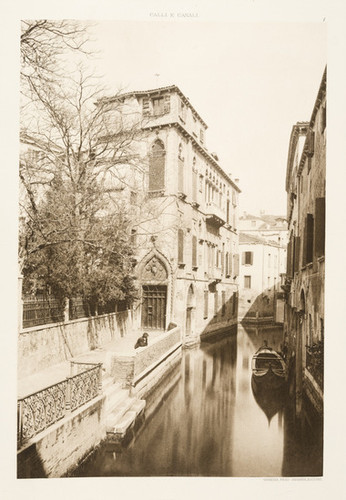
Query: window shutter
{"type": "Point", "coordinates": [310, 238]}
{"type": "Point", "coordinates": [216, 303]}
{"type": "Point", "coordinates": [194, 185]}
{"type": "Point", "coordinates": [223, 259]}
{"type": "Point", "coordinates": [319, 227]}
{"type": "Point", "coordinates": [236, 264]}
{"type": "Point", "coordinates": [230, 264]}
{"type": "Point", "coordinates": [206, 305]}
{"type": "Point", "coordinates": [227, 264]}
{"type": "Point", "coordinates": [145, 104]}
{"type": "Point", "coordinates": [194, 251]}
{"type": "Point", "coordinates": [289, 260]}
{"type": "Point", "coordinates": [251, 258]}
{"type": "Point", "coordinates": [243, 258]}
{"type": "Point", "coordinates": [310, 142]}
{"type": "Point", "coordinates": [323, 119]}
{"type": "Point", "coordinates": [305, 244]}
{"type": "Point", "coordinates": [180, 176]}
{"type": "Point", "coordinates": [180, 246]}
{"type": "Point", "coordinates": [167, 104]}
{"type": "Point", "coordinates": [296, 254]}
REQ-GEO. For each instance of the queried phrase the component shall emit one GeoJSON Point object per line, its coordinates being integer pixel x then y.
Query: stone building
{"type": "Point", "coordinates": [262, 247]}
{"type": "Point", "coordinates": [304, 287]}
{"type": "Point", "coordinates": [185, 213]}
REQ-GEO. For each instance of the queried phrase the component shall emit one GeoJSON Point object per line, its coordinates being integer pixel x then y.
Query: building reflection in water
{"type": "Point", "coordinates": [205, 420]}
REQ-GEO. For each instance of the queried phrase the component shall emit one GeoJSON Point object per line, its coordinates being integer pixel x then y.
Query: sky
{"type": "Point", "coordinates": [250, 82]}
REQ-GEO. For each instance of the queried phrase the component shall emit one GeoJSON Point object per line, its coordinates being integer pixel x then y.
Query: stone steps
{"type": "Point", "coordinates": [123, 418]}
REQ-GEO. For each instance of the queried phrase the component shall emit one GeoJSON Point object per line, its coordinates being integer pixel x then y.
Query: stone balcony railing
{"type": "Point", "coordinates": [214, 214]}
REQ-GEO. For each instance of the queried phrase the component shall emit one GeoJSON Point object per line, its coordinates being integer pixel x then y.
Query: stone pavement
{"type": "Point", "coordinates": [59, 372]}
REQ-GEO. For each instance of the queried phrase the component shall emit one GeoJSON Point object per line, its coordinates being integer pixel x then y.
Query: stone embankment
{"type": "Point", "coordinates": [128, 375]}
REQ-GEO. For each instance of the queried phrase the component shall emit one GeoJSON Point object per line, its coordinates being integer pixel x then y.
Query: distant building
{"type": "Point", "coordinates": [186, 232]}
{"type": "Point", "coordinates": [304, 313]}
{"type": "Point", "coordinates": [262, 249]}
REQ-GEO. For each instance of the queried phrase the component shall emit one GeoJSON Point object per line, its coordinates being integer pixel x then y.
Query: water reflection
{"type": "Point", "coordinates": [207, 420]}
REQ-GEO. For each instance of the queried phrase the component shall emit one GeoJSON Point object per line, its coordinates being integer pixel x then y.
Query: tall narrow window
{"type": "Point", "coordinates": [180, 246]}
{"type": "Point", "coordinates": [308, 239]}
{"type": "Point", "coordinates": [194, 251]}
{"type": "Point", "coordinates": [180, 170]}
{"type": "Point", "coordinates": [216, 303]}
{"type": "Point", "coordinates": [206, 304]}
{"type": "Point", "coordinates": [194, 181]}
{"type": "Point", "coordinates": [247, 281]}
{"type": "Point", "coordinates": [157, 167]}
{"type": "Point", "coordinates": [319, 234]}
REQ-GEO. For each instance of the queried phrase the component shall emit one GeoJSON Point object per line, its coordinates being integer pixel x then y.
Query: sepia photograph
{"type": "Point", "coordinates": [171, 236]}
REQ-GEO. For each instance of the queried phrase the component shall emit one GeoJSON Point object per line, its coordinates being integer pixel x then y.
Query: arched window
{"type": "Point", "coordinates": [157, 167]}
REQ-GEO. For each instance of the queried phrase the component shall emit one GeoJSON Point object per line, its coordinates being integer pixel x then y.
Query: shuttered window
{"type": "Point", "coordinates": [227, 264]}
{"type": "Point", "coordinates": [310, 140]}
{"type": "Point", "coordinates": [194, 185]}
{"type": "Point", "coordinates": [157, 167]}
{"type": "Point", "coordinates": [247, 281]}
{"type": "Point", "coordinates": [167, 104]}
{"type": "Point", "coordinates": [206, 303]}
{"type": "Point", "coordinates": [180, 175]}
{"type": "Point", "coordinates": [146, 106]}
{"type": "Point", "coordinates": [216, 303]}
{"type": "Point", "coordinates": [236, 264]}
{"type": "Point", "coordinates": [319, 235]}
{"type": "Point", "coordinates": [323, 118]}
{"type": "Point", "coordinates": [180, 246]}
{"type": "Point", "coordinates": [308, 239]}
{"type": "Point", "coordinates": [223, 259]}
{"type": "Point", "coordinates": [158, 106]}
{"type": "Point", "coordinates": [296, 261]}
{"type": "Point", "coordinates": [247, 258]}
{"type": "Point", "coordinates": [289, 269]}
{"type": "Point", "coordinates": [194, 251]}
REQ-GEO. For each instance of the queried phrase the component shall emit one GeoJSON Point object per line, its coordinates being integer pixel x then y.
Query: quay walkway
{"type": "Point", "coordinates": [57, 373]}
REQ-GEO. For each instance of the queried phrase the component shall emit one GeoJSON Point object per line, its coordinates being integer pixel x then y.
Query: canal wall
{"type": "Point", "coordinates": [142, 369]}
{"type": "Point", "coordinates": [44, 346]}
{"type": "Point", "coordinates": [58, 449]}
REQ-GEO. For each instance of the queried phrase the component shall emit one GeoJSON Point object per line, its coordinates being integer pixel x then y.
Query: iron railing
{"type": "Point", "coordinates": [315, 362]}
{"type": "Point", "coordinates": [42, 409]}
{"type": "Point", "coordinates": [41, 311]}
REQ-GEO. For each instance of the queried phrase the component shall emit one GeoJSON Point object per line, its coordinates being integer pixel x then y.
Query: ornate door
{"type": "Point", "coordinates": [154, 307]}
{"type": "Point", "coordinates": [154, 295]}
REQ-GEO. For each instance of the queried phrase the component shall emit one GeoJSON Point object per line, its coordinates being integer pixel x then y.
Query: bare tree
{"type": "Point", "coordinates": [75, 223]}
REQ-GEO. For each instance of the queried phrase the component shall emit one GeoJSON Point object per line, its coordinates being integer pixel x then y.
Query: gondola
{"type": "Point", "coordinates": [268, 367]}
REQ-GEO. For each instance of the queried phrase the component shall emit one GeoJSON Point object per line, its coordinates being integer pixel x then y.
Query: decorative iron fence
{"type": "Point", "coordinates": [315, 362]}
{"type": "Point", "coordinates": [41, 310]}
{"type": "Point", "coordinates": [42, 409]}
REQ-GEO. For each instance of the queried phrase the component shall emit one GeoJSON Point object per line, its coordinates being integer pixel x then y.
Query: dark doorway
{"type": "Point", "coordinates": [154, 307]}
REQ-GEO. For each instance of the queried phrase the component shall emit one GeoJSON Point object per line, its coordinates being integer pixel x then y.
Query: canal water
{"type": "Point", "coordinates": [206, 419]}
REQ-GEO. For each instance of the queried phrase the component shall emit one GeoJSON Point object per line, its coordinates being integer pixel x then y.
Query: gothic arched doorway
{"type": "Point", "coordinates": [154, 295]}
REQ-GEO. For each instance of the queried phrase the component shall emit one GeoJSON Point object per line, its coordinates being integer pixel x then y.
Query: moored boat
{"type": "Point", "coordinates": [268, 366]}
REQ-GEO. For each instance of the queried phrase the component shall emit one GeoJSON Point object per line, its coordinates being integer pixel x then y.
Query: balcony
{"type": "Point", "coordinates": [314, 361]}
{"type": "Point", "coordinates": [215, 215]}
{"type": "Point", "coordinates": [214, 274]}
